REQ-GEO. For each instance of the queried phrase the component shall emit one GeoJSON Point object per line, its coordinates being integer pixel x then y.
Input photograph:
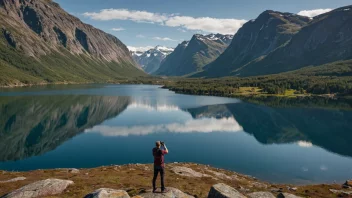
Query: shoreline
{"type": "Point", "coordinates": [193, 179]}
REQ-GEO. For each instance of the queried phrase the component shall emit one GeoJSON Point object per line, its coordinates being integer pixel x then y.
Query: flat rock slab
{"type": "Point", "coordinates": [40, 189]}
{"type": "Point", "coordinates": [221, 175]}
{"type": "Point", "coordinates": [341, 192]}
{"type": "Point", "coordinates": [188, 172]}
{"type": "Point", "coordinates": [108, 193]}
{"type": "Point", "coordinates": [261, 195]}
{"type": "Point", "coordinates": [171, 193]}
{"type": "Point", "coordinates": [287, 195]}
{"type": "Point", "coordinates": [73, 170]}
{"type": "Point", "coordinates": [14, 180]}
{"type": "Point", "coordinates": [224, 191]}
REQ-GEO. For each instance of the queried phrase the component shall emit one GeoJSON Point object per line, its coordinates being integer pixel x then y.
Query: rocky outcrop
{"type": "Point", "coordinates": [14, 180]}
{"type": "Point", "coordinates": [347, 184]}
{"type": "Point", "coordinates": [108, 193]}
{"type": "Point", "coordinates": [73, 170]}
{"type": "Point", "coordinates": [287, 195]}
{"type": "Point", "coordinates": [222, 175]}
{"type": "Point", "coordinates": [260, 195]}
{"type": "Point", "coordinates": [171, 193]}
{"type": "Point", "coordinates": [191, 56]}
{"type": "Point", "coordinates": [340, 192]}
{"type": "Point", "coordinates": [53, 44]}
{"type": "Point", "coordinates": [188, 172]}
{"type": "Point", "coordinates": [224, 191]}
{"type": "Point", "coordinates": [42, 188]}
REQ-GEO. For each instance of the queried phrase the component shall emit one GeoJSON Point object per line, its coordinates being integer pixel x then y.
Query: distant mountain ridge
{"type": "Point", "coordinates": [40, 42]}
{"type": "Point", "coordinates": [277, 42]}
{"type": "Point", "coordinates": [191, 56]}
{"type": "Point", "coordinates": [151, 59]}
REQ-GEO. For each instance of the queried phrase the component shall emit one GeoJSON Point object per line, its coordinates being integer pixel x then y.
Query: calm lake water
{"type": "Point", "coordinates": [92, 125]}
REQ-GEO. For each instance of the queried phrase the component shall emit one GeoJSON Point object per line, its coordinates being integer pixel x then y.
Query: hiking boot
{"type": "Point", "coordinates": [164, 190]}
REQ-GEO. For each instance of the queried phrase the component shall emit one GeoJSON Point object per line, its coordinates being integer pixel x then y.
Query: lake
{"type": "Point", "coordinates": [82, 126]}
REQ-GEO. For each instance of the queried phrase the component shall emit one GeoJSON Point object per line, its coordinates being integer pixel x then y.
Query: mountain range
{"type": "Point", "coordinates": [191, 56]}
{"type": "Point", "coordinates": [41, 43]}
{"type": "Point", "coordinates": [151, 59]}
{"type": "Point", "coordinates": [277, 42]}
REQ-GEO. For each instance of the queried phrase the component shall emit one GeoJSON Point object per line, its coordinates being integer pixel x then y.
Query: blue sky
{"type": "Point", "coordinates": [142, 23]}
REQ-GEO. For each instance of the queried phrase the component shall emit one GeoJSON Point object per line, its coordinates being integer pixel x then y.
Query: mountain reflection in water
{"type": "Point", "coordinates": [35, 125]}
{"type": "Point", "coordinates": [85, 131]}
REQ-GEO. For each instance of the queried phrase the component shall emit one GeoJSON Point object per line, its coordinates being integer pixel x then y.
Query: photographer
{"type": "Point", "coordinates": [158, 152]}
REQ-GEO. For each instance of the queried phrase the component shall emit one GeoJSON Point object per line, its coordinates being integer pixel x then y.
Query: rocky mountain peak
{"type": "Point", "coordinates": [277, 42]}
{"type": "Point", "coordinates": [190, 56]}
{"type": "Point", "coordinates": [151, 59]}
{"type": "Point", "coordinates": [42, 43]}
{"type": "Point", "coordinates": [256, 38]}
{"type": "Point", "coordinates": [45, 22]}
{"type": "Point", "coordinates": [225, 39]}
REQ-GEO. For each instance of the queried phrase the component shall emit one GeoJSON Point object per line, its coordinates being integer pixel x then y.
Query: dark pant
{"type": "Point", "coordinates": [158, 169]}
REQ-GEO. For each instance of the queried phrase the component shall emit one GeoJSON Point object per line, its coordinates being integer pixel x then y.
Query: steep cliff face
{"type": "Point", "coordinates": [279, 42]}
{"type": "Point", "coordinates": [327, 38]}
{"type": "Point", "coordinates": [40, 30]}
{"type": "Point", "coordinates": [256, 38]}
{"type": "Point", "coordinates": [191, 56]}
{"type": "Point", "coordinates": [31, 126]}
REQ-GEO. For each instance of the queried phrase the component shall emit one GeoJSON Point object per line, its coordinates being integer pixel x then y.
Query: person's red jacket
{"type": "Point", "coordinates": [159, 156]}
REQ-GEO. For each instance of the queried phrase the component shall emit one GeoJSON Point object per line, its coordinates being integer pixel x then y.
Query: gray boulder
{"type": "Point", "coordinates": [224, 191]}
{"type": "Point", "coordinates": [171, 193]}
{"type": "Point", "coordinates": [40, 189]}
{"type": "Point", "coordinates": [287, 195]}
{"type": "Point", "coordinates": [261, 195]}
{"type": "Point", "coordinates": [108, 193]}
{"type": "Point", "coordinates": [13, 180]}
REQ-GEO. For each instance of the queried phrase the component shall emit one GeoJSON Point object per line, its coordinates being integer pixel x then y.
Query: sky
{"type": "Point", "coordinates": [144, 24]}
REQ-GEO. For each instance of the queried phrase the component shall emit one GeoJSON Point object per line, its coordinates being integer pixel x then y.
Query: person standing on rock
{"type": "Point", "coordinates": [159, 166]}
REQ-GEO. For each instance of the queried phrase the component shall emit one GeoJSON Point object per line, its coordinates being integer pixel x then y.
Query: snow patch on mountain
{"type": "Point", "coordinates": [149, 58]}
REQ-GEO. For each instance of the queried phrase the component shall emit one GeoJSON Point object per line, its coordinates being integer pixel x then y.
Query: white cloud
{"type": "Point", "coordinates": [124, 14]}
{"type": "Point", "coordinates": [205, 125]}
{"type": "Point", "coordinates": [313, 13]}
{"type": "Point", "coordinates": [163, 39]}
{"type": "Point", "coordinates": [139, 49]}
{"type": "Point", "coordinates": [207, 24]}
{"type": "Point", "coordinates": [118, 29]}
